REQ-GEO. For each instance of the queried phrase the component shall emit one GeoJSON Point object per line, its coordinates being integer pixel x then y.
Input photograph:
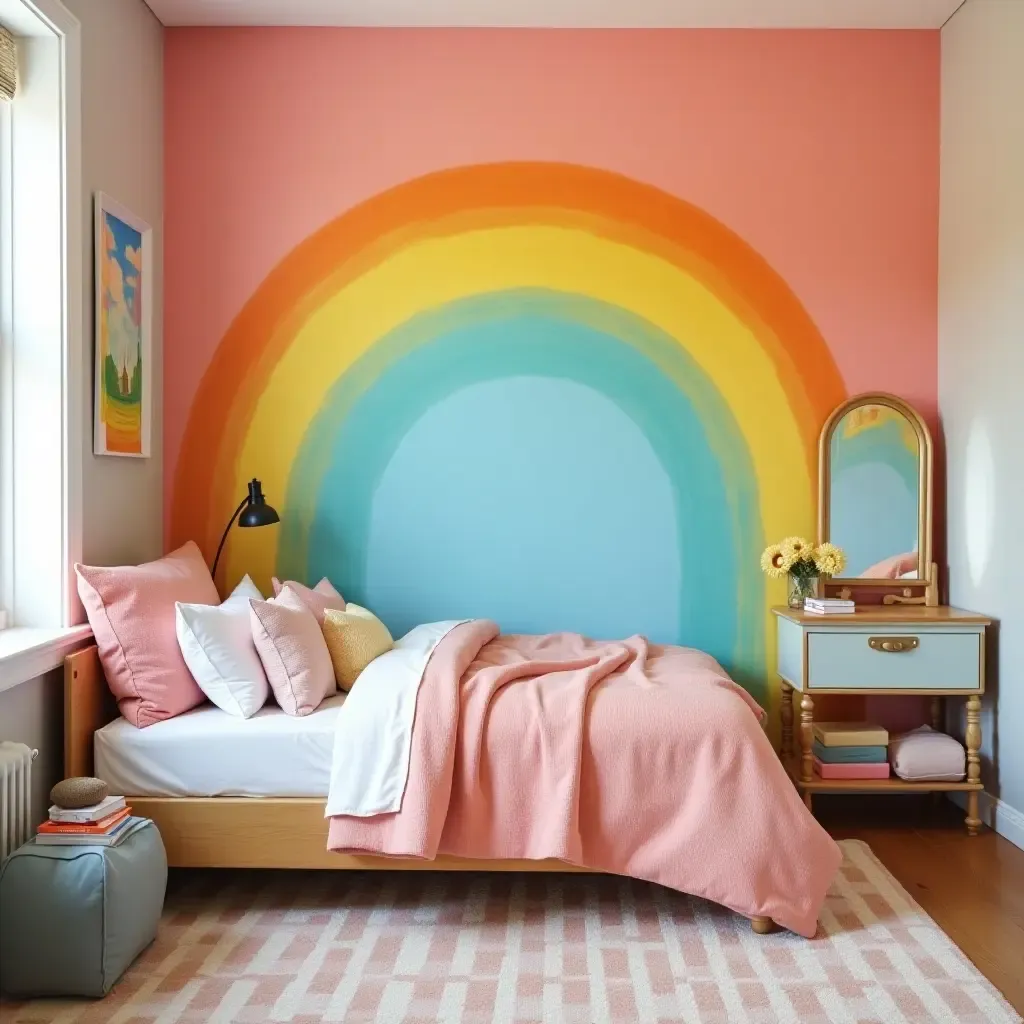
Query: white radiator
{"type": "Point", "coordinates": [15, 795]}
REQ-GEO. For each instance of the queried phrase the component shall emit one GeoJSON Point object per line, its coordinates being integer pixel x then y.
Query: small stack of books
{"type": "Point", "coordinates": [101, 824]}
{"type": "Point", "coordinates": [850, 750]}
{"type": "Point", "coordinates": [828, 606]}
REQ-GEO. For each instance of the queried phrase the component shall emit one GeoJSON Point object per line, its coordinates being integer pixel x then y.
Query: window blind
{"type": "Point", "coordinates": [8, 65]}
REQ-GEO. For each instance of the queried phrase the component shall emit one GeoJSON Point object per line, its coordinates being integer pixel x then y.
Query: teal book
{"type": "Point", "coordinates": [849, 755]}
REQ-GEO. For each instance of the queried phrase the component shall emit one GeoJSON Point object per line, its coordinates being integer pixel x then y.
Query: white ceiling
{"type": "Point", "coordinates": [563, 13]}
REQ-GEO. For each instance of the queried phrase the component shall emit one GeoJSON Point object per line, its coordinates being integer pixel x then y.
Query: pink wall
{"type": "Point", "coordinates": [819, 148]}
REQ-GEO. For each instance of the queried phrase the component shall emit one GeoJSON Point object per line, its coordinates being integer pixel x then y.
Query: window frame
{"type": "Point", "coordinates": [44, 609]}
{"type": "Point", "coordinates": [6, 392]}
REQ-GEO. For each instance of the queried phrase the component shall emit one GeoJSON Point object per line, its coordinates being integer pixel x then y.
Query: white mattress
{"type": "Point", "coordinates": [207, 752]}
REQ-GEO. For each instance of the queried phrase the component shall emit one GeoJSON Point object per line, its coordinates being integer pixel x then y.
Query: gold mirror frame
{"type": "Point", "coordinates": [925, 569]}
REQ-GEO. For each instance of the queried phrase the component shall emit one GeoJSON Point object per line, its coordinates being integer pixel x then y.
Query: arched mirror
{"type": "Point", "coordinates": [875, 484]}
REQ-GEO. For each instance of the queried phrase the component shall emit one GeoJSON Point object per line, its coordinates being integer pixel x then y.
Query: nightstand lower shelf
{"type": "Point", "coordinates": [893, 784]}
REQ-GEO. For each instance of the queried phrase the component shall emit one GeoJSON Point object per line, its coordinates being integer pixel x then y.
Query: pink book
{"type": "Point", "coordinates": [852, 771]}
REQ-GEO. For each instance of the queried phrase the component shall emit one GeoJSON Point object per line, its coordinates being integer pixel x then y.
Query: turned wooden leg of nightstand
{"type": "Point", "coordinates": [938, 717]}
{"type": "Point", "coordinates": [972, 739]}
{"type": "Point", "coordinates": [786, 711]}
{"type": "Point", "coordinates": [806, 742]}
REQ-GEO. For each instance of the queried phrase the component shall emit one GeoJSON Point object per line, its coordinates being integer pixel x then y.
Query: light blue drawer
{"type": "Point", "coordinates": [845, 660]}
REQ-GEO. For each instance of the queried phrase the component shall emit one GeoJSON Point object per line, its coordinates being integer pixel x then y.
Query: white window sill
{"type": "Point", "coordinates": [26, 653]}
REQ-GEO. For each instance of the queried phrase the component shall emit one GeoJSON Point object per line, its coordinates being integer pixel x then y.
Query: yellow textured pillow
{"type": "Point", "coordinates": [354, 637]}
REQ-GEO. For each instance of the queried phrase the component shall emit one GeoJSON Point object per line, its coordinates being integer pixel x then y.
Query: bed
{"type": "Point", "coordinates": [260, 802]}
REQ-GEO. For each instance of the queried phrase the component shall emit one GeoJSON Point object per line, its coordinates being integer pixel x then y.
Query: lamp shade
{"type": "Point", "coordinates": [257, 512]}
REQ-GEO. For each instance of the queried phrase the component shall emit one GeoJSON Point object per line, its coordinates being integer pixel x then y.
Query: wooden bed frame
{"type": "Point", "coordinates": [242, 832]}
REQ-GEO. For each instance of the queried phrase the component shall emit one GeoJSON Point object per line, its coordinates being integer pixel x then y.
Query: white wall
{"type": "Point", "coordinates": [981, 359]}
{"type": "Point", "coordinates": [122, 154]}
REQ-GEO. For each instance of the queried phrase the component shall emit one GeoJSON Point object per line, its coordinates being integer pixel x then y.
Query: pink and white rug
{"type": "Point", "coordinates": [415, 948]}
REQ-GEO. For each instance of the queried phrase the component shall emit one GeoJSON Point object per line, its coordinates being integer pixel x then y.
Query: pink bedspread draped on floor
{"type": "Point", "coordinates": [624, 757]}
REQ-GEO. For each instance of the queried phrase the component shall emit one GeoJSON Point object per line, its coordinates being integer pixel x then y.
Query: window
{"type": "Point", "coordinates": [41, 329]}
{"type": "Point", "coordinates": [6, 333]}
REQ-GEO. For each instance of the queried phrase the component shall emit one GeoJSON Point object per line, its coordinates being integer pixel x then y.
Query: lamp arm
{"type": "Point", "coordinates": [227, 529]}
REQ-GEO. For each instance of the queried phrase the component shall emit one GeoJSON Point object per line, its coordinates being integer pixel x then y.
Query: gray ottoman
{"type": "Point", "coordinates": [72, 918]}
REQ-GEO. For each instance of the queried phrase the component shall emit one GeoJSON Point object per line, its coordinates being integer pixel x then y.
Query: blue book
{"type": "Point", "coordinates": [849, 755]}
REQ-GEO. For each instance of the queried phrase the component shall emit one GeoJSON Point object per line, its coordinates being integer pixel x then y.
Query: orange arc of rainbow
{"type": "Point", "coordinates": [450, 202]}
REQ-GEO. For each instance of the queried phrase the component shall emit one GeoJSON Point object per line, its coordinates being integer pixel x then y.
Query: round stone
{"type": "Point", "coordinates": [79, 792]}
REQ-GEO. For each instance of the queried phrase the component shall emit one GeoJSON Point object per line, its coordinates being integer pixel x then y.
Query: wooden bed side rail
{"type": "Point", "coordinates": [279, 832]}
{"type": "Point", "coordinates": [88, 706]}
{"type": "Point", "coordinates": [289, 833]}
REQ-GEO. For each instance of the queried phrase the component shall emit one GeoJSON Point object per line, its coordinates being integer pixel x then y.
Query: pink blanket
{"type": "Point", "coordinates": [628, 758]}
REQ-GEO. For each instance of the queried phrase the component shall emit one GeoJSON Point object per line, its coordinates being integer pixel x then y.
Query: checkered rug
{"type": "Point", "coordinates": [413, 948]}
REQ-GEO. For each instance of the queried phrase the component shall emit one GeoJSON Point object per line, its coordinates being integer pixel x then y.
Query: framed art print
{"type": "Point", "coordinates": [124, 331]}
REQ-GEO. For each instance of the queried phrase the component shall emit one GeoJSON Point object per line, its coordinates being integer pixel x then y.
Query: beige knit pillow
{"type": "Point", "coordinates": [354, 637]}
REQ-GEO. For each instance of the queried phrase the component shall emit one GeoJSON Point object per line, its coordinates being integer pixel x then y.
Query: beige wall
{"type": "Point", "coordinates": [981, 357]}
{"type": "Point", "coordinates": [32, 713]}
{"type": "Point", "coordinates": [122, 154]}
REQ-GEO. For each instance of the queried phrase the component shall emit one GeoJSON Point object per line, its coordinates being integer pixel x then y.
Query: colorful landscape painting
{"type": "Point", "coordinates": [122, 332]}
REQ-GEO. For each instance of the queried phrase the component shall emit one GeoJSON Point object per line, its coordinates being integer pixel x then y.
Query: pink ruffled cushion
{"type": "Point", "coordinates": [293, 651]}
{"type": "Point", "coordinates": [319, 599]}
{"type": "Point", "coordinates": [131, 609]}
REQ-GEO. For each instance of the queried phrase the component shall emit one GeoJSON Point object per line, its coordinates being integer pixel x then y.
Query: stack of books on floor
{"type": "Point", "coordinates": [850, 750]}
{"type": "Point", "coordinates": [829, 606]}
{"type": "Point", "coordinates": [102, 824]}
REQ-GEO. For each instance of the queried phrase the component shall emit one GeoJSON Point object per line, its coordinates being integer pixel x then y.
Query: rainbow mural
{"type": "Point", "coordinates": [542, 393]}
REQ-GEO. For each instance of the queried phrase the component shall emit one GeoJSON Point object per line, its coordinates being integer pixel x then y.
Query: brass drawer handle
{"type": "Point", "coordinates": [892, 644]}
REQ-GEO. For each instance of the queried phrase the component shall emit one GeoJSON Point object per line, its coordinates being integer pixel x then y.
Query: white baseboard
{"type": "Point", "coordinates": [1004, 819]}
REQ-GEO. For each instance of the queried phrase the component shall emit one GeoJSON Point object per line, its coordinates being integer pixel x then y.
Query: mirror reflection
{"type": "Point", "coordinates": [875, 472]}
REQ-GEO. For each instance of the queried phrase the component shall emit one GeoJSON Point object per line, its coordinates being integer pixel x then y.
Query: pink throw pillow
{"type": "Point", "coordinates": [319, 600]}
{"type": "Point", "coordinates": [293, 651]}
{"type": "Point", "coordinates": [131, 611]}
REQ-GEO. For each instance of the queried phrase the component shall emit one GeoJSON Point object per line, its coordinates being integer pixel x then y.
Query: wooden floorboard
{"type": "Point", "coordinates": [973, 888]}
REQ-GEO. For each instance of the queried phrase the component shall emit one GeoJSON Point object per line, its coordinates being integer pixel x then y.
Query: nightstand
{"type": "Point", "coordinates": [884, 651]}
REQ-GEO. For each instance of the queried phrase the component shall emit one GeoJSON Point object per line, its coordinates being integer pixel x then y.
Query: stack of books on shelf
{"type": "Point", "coordinates": [850, 750]}
{"type": "Point", "coordinates": [829, 606]}
{"type": "Point", "coordinates": [102, 824]}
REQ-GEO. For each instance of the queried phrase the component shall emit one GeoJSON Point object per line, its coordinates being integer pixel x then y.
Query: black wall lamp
{"type": "Point", "coordinates": [253, 511]}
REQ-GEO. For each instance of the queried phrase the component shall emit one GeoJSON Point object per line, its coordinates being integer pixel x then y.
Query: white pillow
{"type": "Point", "coordinates": [216, 643]}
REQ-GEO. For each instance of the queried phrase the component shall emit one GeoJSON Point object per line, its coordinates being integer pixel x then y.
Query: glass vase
{"type": "Point", "coordinates": [801, 587]}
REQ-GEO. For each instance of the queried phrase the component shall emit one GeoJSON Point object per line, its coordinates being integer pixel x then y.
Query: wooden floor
{"type": "Point", "coordinates": [973, 888]}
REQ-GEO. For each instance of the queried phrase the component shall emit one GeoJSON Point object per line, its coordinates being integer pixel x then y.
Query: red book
{"type": "Point", "coordinates": [853, 770]}
{"type": "Point", "coordinates": [100, 827]}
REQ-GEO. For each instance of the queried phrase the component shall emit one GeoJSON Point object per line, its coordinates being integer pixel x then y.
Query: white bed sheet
{"type": "Point", "coordinates": [207, 752]}
{"type": "Point", "coordinates": [373, 739]}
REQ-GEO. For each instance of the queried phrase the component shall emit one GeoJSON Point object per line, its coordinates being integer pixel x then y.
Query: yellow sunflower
{"type": "Point", "coordinates": [774, 561]}
{"type": "Point", "coordinates": [796, 549]}
{"type": "Point", "coordinates": [829, 559]}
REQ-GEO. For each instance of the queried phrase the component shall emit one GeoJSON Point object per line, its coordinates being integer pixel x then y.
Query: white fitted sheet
{"type": "Point", "coordinates": [207, 752]}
